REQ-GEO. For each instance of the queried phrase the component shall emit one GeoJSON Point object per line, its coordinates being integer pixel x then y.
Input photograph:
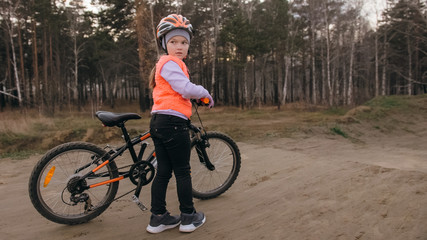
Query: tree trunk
{"type": "Point", "coordinates": [313, 63]}
{"type": "Point", "coordinates": [154, 28]}
{"type": "Point", "coordinates": [323, 76]}
{"type": "Point", "coordinates": [140, 19]}
{"type": "Point", "coordinates": [385, 61]}
{"type": "Point", "coordinates": [409, 86]}
{"type": "Point", "coordinates": [285, 84]}
{"type": "Point", "coordinates": [216, 15]}
{"type": "Point", "coordinates": [328, 55]}
{"type": "Point", "coordinates": [377, 79]}
{"type": "Point", "coordinates": [22, 67]}
{"type": "Point", "coordinates": [75, 66]}
{"type": "Point", "coordinates": [45, 89]}
{"type": "Point", "coordinates": [278, 68]}
{"type": "Point", "coordinates": [350, 72]}
{"type": "Point", "coordinates": [37, 100]}
{"type": "Point", "coordinates": [9, 26]}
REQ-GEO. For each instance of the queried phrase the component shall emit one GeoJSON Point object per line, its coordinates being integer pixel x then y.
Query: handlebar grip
{"type": "Point", "coordinates": [205, 100]}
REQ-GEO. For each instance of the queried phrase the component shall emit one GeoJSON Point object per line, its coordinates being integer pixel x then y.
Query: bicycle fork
{"type": "Point", "coordinates": [203, 156]}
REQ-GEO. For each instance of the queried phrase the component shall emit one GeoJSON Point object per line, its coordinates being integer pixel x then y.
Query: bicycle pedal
{"type": "Point", "coordinates": [135, 199]}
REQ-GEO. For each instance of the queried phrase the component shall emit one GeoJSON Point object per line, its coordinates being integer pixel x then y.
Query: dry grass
{"type": "Point", "coordinates": [30, 131]}
{"type": "Point", "coordinates": [22, 122]}
{"type": "Point", "coordinates": [265, 123]}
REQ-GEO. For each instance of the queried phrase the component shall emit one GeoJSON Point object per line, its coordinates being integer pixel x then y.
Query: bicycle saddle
{"type": "Point", "coordinates": [111, 119]}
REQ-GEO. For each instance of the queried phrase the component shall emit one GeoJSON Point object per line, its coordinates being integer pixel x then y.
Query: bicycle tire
{"type": "Point", "coordinates": [224, 154]}
{"type": "Point", "coordinates": [52, 200]}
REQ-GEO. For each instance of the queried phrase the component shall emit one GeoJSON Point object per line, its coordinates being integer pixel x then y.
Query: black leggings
{"type": "Point", "coordinates": [172, 144]}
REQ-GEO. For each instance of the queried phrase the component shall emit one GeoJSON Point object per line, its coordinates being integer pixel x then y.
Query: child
{"type": "Point", "coordinates": [172, 109]}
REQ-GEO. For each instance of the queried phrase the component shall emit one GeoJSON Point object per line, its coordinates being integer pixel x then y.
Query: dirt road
{"type": "Point", "coordinates": [317, 187]}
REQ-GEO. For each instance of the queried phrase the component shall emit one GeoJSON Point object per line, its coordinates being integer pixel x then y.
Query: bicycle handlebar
{"type": "Point", "coordinates": [204, 100]}
{"type": "Point", "coordinates": [201, 101]}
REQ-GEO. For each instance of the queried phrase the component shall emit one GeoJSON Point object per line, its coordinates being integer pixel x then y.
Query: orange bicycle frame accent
{"type": "Point", "coordinates": [100, 166]}
{"type": "Point", "coordinates": [106, 182]}
{"type": "Point", "coordinates": [108, 161]}
{"type": "Point", "coordinates": [145, 136]}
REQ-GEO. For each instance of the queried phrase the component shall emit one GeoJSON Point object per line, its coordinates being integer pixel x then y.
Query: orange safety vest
{"type": "Point", "coordinates": [164, 96]}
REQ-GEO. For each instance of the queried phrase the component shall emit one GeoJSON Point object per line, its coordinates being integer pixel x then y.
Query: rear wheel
{"type": "Point", "coordinates": [224, 155]}
{"type": "Point", "coordinates": [57, 175]}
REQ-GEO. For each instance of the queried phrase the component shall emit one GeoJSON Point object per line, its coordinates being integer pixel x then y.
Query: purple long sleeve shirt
{"type": "Point", "coordinates": [180, 83]}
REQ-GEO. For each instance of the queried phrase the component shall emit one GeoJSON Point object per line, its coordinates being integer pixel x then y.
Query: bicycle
{"type": "Point", "coordinates": [77, 181]}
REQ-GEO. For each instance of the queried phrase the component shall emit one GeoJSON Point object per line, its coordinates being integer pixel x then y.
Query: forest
{"type": "Point", "coordinates": [57, 55]}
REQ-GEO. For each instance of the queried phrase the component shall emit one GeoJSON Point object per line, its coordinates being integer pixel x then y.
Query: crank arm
{"type": "Point", "coordinates": [141, 206]}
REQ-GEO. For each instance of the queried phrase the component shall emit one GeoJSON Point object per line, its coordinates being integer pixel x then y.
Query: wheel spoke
{"type": "Point", "coordinates": [53, 200]}
{"type": "Point", "coordinates": [223, 153]}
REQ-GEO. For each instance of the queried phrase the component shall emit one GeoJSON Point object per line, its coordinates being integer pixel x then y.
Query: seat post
{"type": "Point", "coordinates": [128, 141]}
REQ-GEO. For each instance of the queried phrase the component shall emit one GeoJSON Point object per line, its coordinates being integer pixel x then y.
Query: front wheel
{"type": "Point", "coordinates": [56, 179]}
{"type": "Point", "coordinates": [213, 177]}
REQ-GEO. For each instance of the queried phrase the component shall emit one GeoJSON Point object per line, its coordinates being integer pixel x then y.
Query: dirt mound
{"type": "Point", "coordinates": [351, 115]}
{"type": "Point", "coordinates": [96, 136]}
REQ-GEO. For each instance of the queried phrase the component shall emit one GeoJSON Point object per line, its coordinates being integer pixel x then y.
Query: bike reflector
{"type": "Point", "coordinates": [49, 176]}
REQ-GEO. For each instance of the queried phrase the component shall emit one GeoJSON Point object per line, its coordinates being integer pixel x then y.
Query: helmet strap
{"type": "Point", "coordinates": [164, 44]}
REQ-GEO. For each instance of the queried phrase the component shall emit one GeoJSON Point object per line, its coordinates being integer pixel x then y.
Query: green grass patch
{"type": "Point", "coordinates": [19, 155]}
{"type": "Point", "coordinates": [338, 131]}
{"type": "Point", "coordinates": [385, 106]}
{"type": "Point", "coordinates": [40, 127]}
{"type": "Point", "coordinates": [387, 102]}
{"type": "Point", "coordinates": [335, 111]}
{"type": "Point", "coordinates": [10, 138]}
{"type": "Point", "coordinates": [401, 103]}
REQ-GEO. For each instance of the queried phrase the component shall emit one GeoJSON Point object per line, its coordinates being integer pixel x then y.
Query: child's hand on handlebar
{"type": "Point", "coordinates": [207, 101]}
{"type": "Point", "coordinates": [211, 101]}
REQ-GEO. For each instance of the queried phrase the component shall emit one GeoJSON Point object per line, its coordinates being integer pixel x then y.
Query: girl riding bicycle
{"type": "Point", "coordinates": [171, 112]}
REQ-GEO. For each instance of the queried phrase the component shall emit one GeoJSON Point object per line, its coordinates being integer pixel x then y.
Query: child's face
{"type": "Point", "coordinates": [178, 47]}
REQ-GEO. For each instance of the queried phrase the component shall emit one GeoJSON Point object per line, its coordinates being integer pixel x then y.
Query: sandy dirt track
{"type": "Point", "coordinates": [317, 187]}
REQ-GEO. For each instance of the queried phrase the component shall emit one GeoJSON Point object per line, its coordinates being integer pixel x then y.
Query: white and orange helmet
{"type": "Point", "coordinates": [172, 22]}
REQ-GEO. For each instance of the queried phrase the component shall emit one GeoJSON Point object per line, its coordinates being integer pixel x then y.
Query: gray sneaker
{"type": "Point", "coordinates": [190, 222]}
{"type": "Point", "coordinates": [162, 222]}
